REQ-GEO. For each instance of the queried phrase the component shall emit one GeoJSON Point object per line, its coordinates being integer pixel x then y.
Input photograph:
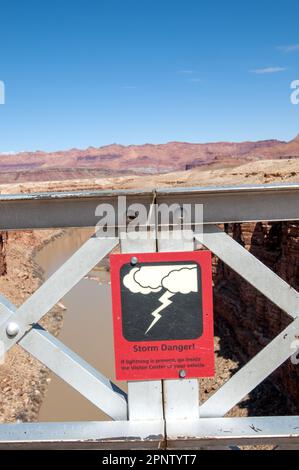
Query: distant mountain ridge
{"type": "Point", "coordinates": [118, 159]}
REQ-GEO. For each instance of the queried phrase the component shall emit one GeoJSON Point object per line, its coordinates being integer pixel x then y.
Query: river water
{"type": "Point", "coordinates": [87, 330]}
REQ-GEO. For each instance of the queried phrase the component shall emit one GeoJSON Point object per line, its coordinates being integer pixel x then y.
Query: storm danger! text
{"type": "Point", "coordinates": [164, 347]}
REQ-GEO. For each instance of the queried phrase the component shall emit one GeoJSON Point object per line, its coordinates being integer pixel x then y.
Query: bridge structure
{"type": "Point", "coordinates": [154, 414]}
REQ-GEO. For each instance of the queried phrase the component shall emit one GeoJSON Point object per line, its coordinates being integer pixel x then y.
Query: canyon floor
{"type": "Point", "coordinates": [23, 380]}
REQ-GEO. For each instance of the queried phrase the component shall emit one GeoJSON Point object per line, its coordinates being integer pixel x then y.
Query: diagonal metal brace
{"type": "Point", "coordinates": [76, 372]}
{"type": "Point", "coordinates": [54, 289]}
{"type": "Point", "coordinates": [252, 374]}
{"type": "Point", "coordinates": [70, 367]}
{"type": "Point", "coordinates": [251, 269]}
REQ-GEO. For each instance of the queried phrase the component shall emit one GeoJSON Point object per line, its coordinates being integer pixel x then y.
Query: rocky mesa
{"type": "Point", "coordinates": [148, 159]}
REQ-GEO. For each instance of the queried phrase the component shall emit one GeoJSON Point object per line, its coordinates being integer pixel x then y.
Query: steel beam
{"type": "Point", "coordinates": [188, 434]}
{"type": "Point", "coordinates": [215, 432]}
{"type": "Point", "coordinates": [275, 202]}
{"type": "Point", "coordinates": [65, 209]}
{"type": "Point", "coordinates": [108, 435]}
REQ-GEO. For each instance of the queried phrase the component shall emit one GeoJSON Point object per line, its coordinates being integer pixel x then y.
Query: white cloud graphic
{"type": "Point", "coordinates": [183, 281]}
{"type": "Point", "coordinates": [174, 278]}
{"type": "Point", "coordinates": [135, 287]}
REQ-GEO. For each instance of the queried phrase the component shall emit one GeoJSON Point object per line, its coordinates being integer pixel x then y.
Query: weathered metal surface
{"type": "Point", "coordinates": [274, 202]}
{"type": "Point", "coordinates": [215, 432]}
{"type": "Point", "coordinates": [65, 209]}
{"type": "Point", "coordinates": [83, 435]}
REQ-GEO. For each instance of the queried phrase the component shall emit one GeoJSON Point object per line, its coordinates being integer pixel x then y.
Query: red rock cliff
{"type": "Point", "coordinates": [253, 319]}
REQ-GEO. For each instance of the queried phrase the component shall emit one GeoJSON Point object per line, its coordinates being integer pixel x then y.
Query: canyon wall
{"type": "Point", "coordinates": [253, 319]}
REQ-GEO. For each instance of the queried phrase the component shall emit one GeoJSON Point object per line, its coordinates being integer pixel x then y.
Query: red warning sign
{"type": "Point", "coordinates": [162, 315]}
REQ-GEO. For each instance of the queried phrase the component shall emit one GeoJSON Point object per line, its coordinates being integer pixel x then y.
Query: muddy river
{"type": "Point", "coordinates": [87, 330]}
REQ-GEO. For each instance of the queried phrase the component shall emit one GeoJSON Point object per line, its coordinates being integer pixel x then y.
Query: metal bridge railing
{"type": "Point", "coordinates": [151, 415]}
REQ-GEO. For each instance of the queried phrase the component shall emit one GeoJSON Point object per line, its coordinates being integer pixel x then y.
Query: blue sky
{"type": "Point", "coordinates": [94, 72]}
